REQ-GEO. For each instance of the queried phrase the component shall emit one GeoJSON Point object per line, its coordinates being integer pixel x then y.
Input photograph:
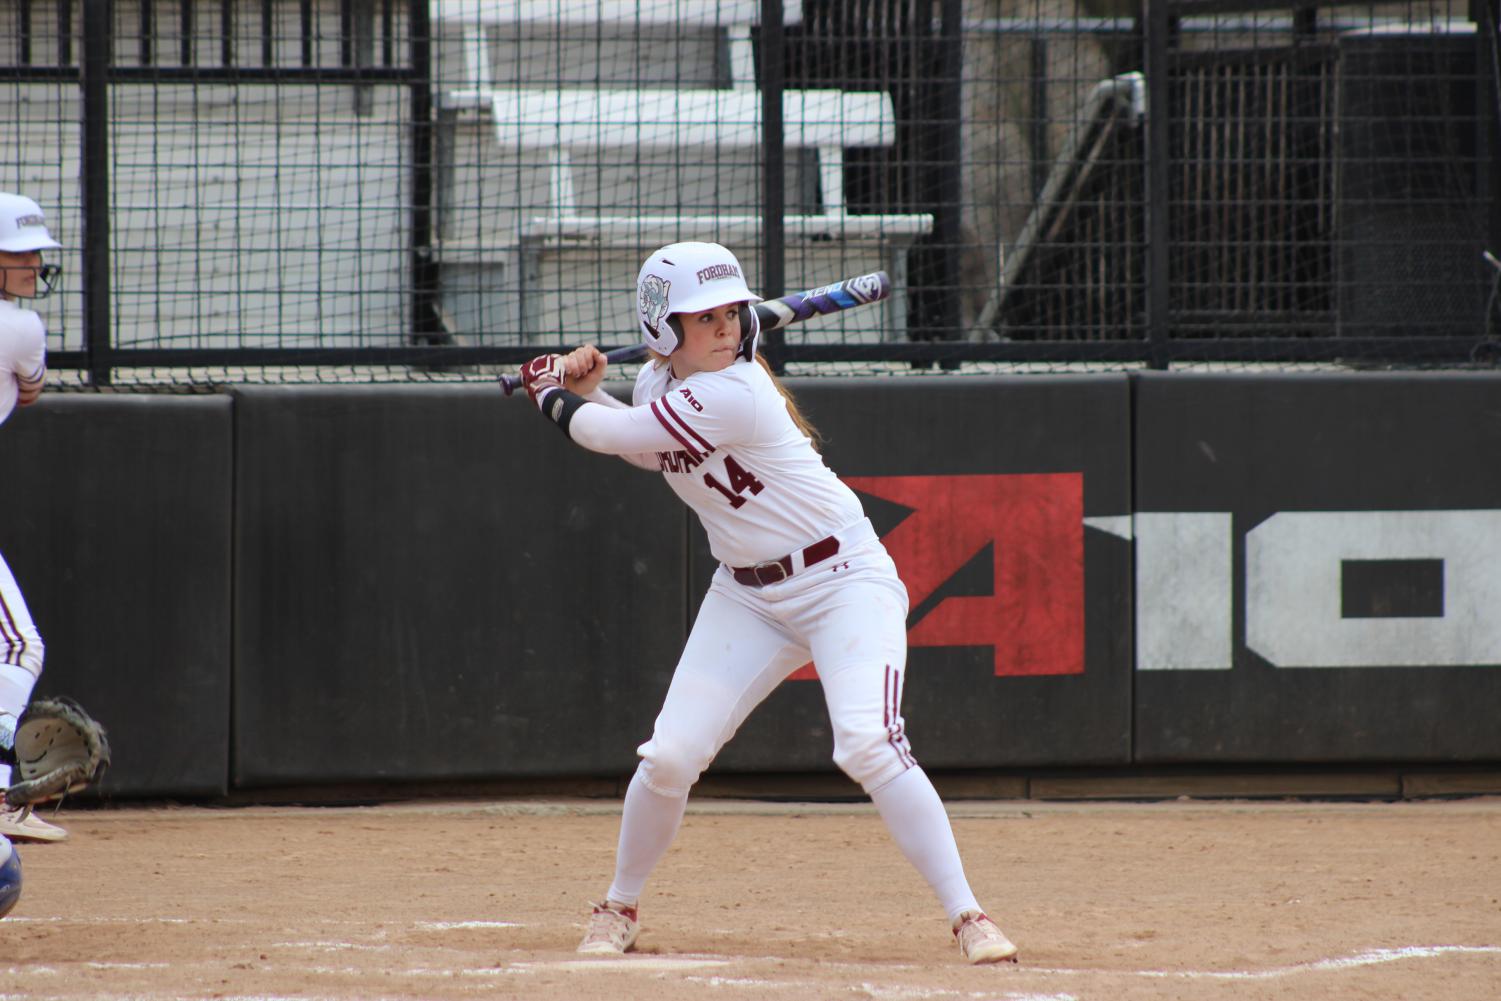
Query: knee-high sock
{"type": "Point", "coordinates": [648, 823]}
{"type": "Point", "coordinates": [920, 827]}
{"type": "Point", "coordinates": [16, 684]}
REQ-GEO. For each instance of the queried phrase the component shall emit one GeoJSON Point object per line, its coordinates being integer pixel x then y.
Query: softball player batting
{"type": "Point", "coordinates": [23, 366]}
{"type": "Point", "coordinates": [802, 574]}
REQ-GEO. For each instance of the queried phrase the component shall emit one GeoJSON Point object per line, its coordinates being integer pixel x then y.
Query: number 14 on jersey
{"type": "Point", "coordinates": [741, 480]}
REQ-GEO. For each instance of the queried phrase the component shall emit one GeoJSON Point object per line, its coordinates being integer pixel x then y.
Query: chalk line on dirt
{"type": "Point", "coordinates": [1367, 957]}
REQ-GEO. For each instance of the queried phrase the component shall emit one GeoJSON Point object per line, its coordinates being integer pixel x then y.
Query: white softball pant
{"type": "Point", "coordinates": [847, 614]}
{"type": "Point", "coordinates": [20, 643]}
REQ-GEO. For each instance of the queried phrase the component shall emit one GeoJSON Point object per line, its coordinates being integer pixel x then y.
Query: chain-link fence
{"type": "Point", "coordinates": [392, 189]}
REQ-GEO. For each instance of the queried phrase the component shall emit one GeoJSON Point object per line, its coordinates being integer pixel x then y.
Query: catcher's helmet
{"type": "Point", "coordinates": [686, 278]}
{"type": "Point", "coordinates": [10, 877]}
{"type": "Point", "coordinates": [23, 228]}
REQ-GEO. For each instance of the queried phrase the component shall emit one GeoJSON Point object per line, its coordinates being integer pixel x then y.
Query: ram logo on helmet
{"type": "Point", "coordinates": [654, 301]}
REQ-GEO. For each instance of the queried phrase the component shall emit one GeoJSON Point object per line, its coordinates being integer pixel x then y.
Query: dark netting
{"type": "Point", "coordinates": [392, 190]}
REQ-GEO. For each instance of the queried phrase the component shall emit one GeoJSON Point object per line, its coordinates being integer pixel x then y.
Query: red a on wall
{"type": "Point", "coordinates": [1034, 524]}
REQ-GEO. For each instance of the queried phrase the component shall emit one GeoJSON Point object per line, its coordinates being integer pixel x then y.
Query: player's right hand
{"type": "Point", "coordinates": [542, 373]}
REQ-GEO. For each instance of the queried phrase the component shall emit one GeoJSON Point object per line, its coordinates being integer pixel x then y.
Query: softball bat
{"type": "Point", "coordinates": [775, 314]}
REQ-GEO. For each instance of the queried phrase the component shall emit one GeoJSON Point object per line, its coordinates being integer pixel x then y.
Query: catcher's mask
{"type": "Point", "coordinates": [23, 229]}
{"type": "Point", "coordinates": [688, 278]}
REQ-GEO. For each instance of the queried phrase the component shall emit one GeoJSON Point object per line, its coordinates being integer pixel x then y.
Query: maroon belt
{"type": "Point", "coordinates": [772, 571]}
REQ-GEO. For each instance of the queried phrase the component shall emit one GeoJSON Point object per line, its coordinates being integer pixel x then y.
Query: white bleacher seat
{"type": "Point", "coordinates": [559, 122]}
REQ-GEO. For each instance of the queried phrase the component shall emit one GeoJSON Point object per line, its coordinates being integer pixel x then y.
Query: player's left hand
{"type": "Point", "coordinates": [586, 369]}
{"type": "Point", "coordinates": [542, 373]}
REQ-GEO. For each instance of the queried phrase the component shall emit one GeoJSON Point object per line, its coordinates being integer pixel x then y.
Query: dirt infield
{"type": "Point", "coordinates": [1108, 902]}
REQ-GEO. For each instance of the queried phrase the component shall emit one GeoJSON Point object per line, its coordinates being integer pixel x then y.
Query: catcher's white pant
{"type": "Point", "coordinates": [20, 643]}
{"type": "Point", "coordinates": [20, 654]}
{"type": "Point", "coordinates": [847, 614]}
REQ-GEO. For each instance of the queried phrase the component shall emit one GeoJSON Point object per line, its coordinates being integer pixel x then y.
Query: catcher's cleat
{"type": "Point", "coordinates": [981, 941]}
{"type": "Point", "coordinates": [19, 822]}
{"type": "Point", "coordinates": [613, 928]}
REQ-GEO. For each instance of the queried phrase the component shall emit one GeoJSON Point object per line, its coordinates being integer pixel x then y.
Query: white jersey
{"type": "Point", "coordinates": [23, 353]}
{"type": "Point", "coordinates": [728, 447]}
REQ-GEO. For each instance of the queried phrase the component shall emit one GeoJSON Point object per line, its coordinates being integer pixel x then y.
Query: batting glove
{"type": "Point", "coordinates": [541, 374]}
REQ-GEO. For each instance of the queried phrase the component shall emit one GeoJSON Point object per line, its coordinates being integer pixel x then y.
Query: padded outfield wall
{"type": "Point", "coordinates": [295, 586]}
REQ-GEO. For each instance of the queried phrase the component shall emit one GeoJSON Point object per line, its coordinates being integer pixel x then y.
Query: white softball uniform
{"type": "Point", "coordinates": [803, 575]}
{"type": "Point", "coordinates": [23, 364]}
{"type": "Point", "coordinates": [728, 447]}
{"type": "Point", "coordinates": [23, 353]}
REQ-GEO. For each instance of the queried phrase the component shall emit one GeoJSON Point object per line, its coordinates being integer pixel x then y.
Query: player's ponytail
{"type": "Point", "coordinates": [803, 424]}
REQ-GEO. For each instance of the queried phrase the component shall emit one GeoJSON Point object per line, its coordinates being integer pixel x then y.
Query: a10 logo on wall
{"type": "Point", "coordinates": [1319, 589]}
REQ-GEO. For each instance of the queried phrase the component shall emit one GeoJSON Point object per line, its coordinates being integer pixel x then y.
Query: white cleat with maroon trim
{"type": "Point", "coordinates": [612, 931]}
{"type": "Point", "coordinates": [981, 941]}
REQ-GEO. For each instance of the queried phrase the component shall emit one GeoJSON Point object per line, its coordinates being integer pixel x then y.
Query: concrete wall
{"type": "Point", "coordinates": [328, 585]}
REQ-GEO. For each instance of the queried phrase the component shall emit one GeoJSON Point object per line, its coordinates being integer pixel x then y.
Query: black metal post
{"type": "Point", "coordinates": [185, 31]}
{"type": "Point", "coordinates": [426, 328]}
{"type": "Point", "coordinates": [1305, 24]}
{"type": "Point", "coordinates": [1039, 131]}
{"type": "Point", "coordinates": [98, 29]}
{"type": "Point", "coordinates": [948, 220]}
{"type": "Point", "coordinates": [387, 32]}
{"type": "Point", "coordinates": [1489, 61]}
{"type": "Point", "coordinates": [773, 167]}
{"type": "Point", "coordinates": [268, 33]}
{"type": "Point", "coordinates": [148, 32]}
{"type": "Point", "coordinates": [226, 32]}
{"type": "Point", "coordinates": [23, 33]}
{"type": "Point", "coordinates": [305, 29]}
{"type": "Point", "coordinates": [1158, 28]}
{"type": "Point", "coordinates": [346, 33]}
{"type": "Point", "coordinates": [362, 49]}
{"type": "Point", "coordinates": [64, 32]}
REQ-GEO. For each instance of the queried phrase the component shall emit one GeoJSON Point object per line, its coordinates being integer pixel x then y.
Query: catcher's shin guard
{"type": "Point", "coordinates": [7, 739]}
{"type": "Point", "coordinates": [10, 877]}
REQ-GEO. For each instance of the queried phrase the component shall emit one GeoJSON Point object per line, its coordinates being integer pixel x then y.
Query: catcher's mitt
{"type": "Point", "coordinates": [58, 749]}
